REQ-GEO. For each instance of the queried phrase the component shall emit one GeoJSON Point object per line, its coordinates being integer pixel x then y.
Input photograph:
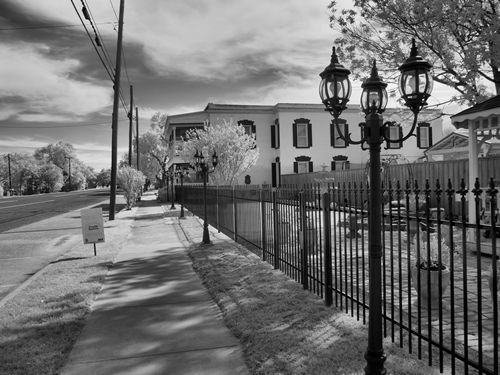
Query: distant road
{"type": "Point", "coordinates": [20, 210]}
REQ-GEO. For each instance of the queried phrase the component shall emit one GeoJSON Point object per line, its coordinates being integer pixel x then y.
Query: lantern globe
{"type": "Point", "coordinates": [335, 87]}
{"type": "Point", "coordinates": [415, 81]}
{"type": "Point", "coordinates": [374, 95]}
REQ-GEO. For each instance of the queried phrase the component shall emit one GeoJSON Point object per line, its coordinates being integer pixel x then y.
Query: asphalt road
{"type": "Point", "coordinates": [35, 230]}
{"type": "Point", "coordinates": [16, 211]}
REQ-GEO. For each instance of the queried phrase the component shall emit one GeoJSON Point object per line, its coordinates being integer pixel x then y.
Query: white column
{"type": "Point", "coordinates": [473, 169]}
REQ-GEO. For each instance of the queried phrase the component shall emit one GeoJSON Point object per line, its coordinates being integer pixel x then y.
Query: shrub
{"type": "Point", "coordinates": [131, 181]}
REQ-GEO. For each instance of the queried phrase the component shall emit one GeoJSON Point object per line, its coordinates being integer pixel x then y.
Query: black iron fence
{"type": "Point", "coordinates": [440, 277]}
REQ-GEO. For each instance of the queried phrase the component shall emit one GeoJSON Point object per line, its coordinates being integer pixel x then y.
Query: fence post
{"type": "Point", "coordinates": [276, 240]}
{"type": "Point", "coordinates": [327, 228]}
{"type": "Point", "coordinates": [217, 207]}
{"type": "Point", "coordinates": [235, 224]}
{"type": "Point", "coordinates": [303, 239]}
{"type": "Point", "coordinates": [263, 224]}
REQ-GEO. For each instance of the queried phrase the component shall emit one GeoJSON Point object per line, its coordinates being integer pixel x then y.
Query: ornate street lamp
{"type": "Point", "coordinates": [415, 87]}
{"type": "Point", "coordinates": [181, 172]}
{"type": "Point", "coordinates": [203, 167]}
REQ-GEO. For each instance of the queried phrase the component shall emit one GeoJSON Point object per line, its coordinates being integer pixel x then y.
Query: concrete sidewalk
{"type": "Point", "coordinates": [153, 315]}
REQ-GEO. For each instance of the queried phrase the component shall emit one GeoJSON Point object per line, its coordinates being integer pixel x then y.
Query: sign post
{"type": "Point", "coordinates": [92, 226]}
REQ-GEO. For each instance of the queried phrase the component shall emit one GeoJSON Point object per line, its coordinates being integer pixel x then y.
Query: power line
{"type": "Point", "coordinates": [48, 26]}
{"type": "Point", "coordinates": [92, 41]}
{"type": "Point", "coordinates": [76, 125]}
{"type": "Point", "coordinates": [87, 15]}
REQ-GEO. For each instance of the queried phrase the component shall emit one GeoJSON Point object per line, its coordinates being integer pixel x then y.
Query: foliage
{"type": "Point", "coordinates": [460, 38]}
{"type": "Point", "coordinates": [236, 150]}
{"type": "Point", "coordinates": [153, 154]}
{"type": "Point", "coordinates": [103, 178]}
{"type": "Point", "coordinates": [131, 180]}
{"type": "Point", "coordinates": [42, 172]}
{"type": "Point", "coordinates": [50, 178]}
{"type": "Point", "coordinates": [431, 252]}
{"type": "Point", "coordinates": [24, 171]}
{"type": "Point", "coordinates": [56, 153]}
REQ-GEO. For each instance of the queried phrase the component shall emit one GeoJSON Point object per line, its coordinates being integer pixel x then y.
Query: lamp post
{"type": "Point", "coordinates": [202, 166]}
{"type": "Point", "coordinates": [171, 177]}
{"type": "Point", "coordinates": [181, 172]}
{"type": "Point", "coordinates": [415, 85]}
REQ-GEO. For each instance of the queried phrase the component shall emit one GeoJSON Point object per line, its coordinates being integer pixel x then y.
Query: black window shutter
{"type": "Point", "coordinates": [294, 134]}
{"type": "Point", "coordinates": [333, 165]}
{"type": "Point", "coordinates": [430, 136]}
{"type": "Point", "coordinates": [309, 134]}
{"type": "Point", "coordinates": [419, 144]}
{"type": "Point", "coordinates": [273, 174]}
{"type": "Point", "coordinates": [295, 167]}
{"type": "Point", "coordinates": [273, 136]}
{"type": "Point", "coordinates": [279, 174]}
{"type": "Point", "coordinates": [277, 135]}
{"type": "Point", "coordinates": [310, 166]}
{"type": "Point", "coordinates": [400, 136]}
{"type": "Point", "coordinates": [332, 134]}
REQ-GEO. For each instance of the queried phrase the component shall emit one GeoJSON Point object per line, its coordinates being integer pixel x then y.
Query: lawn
{"type": "Point", "coordinates": [282, 328]}
{"type": "Point", "coordinates": [40, 323]}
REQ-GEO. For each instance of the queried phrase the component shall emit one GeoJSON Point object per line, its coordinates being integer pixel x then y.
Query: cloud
{"type": "Point", "coordinates": [44, 86]}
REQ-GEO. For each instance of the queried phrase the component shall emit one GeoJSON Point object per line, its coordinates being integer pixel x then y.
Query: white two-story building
{"type": "Point", "coordinates": [300, 138]}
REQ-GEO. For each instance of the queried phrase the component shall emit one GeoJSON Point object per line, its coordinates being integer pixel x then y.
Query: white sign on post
{"type": "Point", "coordinates": [92, 226]}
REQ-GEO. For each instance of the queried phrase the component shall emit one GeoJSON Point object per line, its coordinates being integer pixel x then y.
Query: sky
{"type": "Point", "coordinates": [178, 55]}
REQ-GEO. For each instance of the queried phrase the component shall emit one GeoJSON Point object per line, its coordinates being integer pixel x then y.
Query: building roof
{"type": "Point", "coordinates": [487, 104]}
{"type": "Point", "coordinates": [482, 111]}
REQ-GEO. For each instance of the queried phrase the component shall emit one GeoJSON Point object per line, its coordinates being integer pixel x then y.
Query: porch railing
{"type": "Point", "coordinates": [318, 236]}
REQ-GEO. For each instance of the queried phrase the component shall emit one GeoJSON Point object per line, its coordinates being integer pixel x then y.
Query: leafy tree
{"type": "Point", "coordinates": [50, 178]}
{"type": "Point", "coordinates": [57, 153]}
{"type": "Point", "coordinates": [24, 172]}
{"type": "Point", "coordinates": [461, 38]}
{"type": "Point", "coordinates": [236, 150]}
{"type": "Point", "coordinates": [131, 181]}
{"type": "Point", "coordinates": [103, 178]}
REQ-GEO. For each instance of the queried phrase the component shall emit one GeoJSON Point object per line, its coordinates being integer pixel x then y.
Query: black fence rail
{"type": "Point", "coordinates": [439, 267]}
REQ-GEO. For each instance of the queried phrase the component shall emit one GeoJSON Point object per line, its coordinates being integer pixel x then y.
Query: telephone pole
{"type": "Point", "coordinates": [137, 134]}
{"type": "Point", "coordinates": [10, 175]}
{"type": "Point", "coordinates": [114, 124]}
{"type": "Point", "coordinates": [69, 171]}
{"type": "Point", "coordinates": [130, 127]}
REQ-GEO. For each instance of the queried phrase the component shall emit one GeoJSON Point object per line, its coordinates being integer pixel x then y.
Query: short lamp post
{"type": "Point", "coordinates": [201, 165]}
{"type": "Point", "coordinates": [181, 172]}
{"type": "Point", "coordinates": [415, 85]}
{"type": "Point", "coordinates": [171, 177]}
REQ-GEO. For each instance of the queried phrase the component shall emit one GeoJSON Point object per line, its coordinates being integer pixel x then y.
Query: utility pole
{"type": "Point", "coordinates": [130, 127]}
{"type": "Point", "coordinates": [69, 171]}
{"type": "Point", "coordinates": [10, 175]}
{"type": "Point", "coordinates": [137, 134]}
{"type": "Point", "coordinates": [114, 124]}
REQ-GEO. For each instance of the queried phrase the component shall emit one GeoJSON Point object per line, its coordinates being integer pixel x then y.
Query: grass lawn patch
{"type": "Point", "coordinates": [282, 328]}
{"type": "Point", "coordinates": [40, 324]}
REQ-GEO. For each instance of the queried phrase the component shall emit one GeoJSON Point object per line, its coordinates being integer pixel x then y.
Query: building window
{"type": "Point", "coordinates": [340, 162]}
{"type": "Point", "coordinates": [249, 127]}
{"type": "Point", "coordinates": [424, 135]}
{"type": "Point", "coordinates": [394, 132]}
{"type": "Point", "coordinates": [302, 133]}
{"type": "Point", "coordinates": [302, 164]}
{"type": "Point", "coordinates": [335, 138]}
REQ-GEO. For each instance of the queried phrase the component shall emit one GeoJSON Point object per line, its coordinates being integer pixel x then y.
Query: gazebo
{"type": "Point", "coordinates": [482, 122]}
